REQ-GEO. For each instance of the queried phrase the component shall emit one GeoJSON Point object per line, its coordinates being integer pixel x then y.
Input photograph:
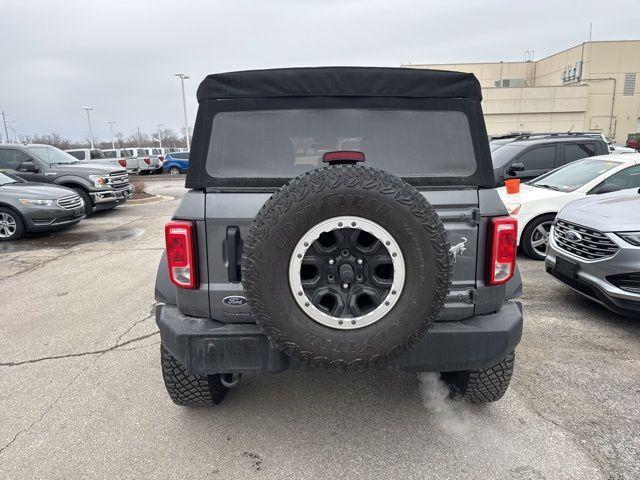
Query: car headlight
{"type": "Point", "coordinates": [513, 208]}
{"type": "Point", "coordinates": [35, 202]}
{"type": "Point", "coordinates": [632, 237]}
{"type": "Point", "coordinates": [98, 180]}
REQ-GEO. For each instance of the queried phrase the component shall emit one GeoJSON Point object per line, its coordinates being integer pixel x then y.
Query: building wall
{"type": "Point", "coordinates": [547, 103]}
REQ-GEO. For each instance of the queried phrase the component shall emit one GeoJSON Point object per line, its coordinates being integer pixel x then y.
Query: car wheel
{"type": "Point", "coordinates": [356, 258]}
{"type": "Point", "coordinates": [536, 235]}
{"type": "Point", "coordinates": [190, 390]}
{"type": "Point", "coordinates": [88, 203]}
{"type": "Point", "coordinates": [174, 171]}
{"type": "Point", "coordinates": [484, 385]}
{"type": "Point", "coordinates": [11, 225]}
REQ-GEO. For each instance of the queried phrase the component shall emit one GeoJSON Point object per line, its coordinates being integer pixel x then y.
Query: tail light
{"type": "Point", "coordinates": [122, 162]}
{"type": "Point", "coordinates": [503, 233]}
{"type": "Point", "coordinates": [180, 244]}
{"type": "Point", "coordinates": [147, 161]}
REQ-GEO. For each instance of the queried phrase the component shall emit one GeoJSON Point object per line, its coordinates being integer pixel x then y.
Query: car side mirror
{"type": "Point", "coordinates": [607, 188]}
{"type": "Point", "coordinates": [29, 166]}
{"type": "Point", "coordinates": [612, 148]}
{"type": "Point", "coordinates": [516, 167]}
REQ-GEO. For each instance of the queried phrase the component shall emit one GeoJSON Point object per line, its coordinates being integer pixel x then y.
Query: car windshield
{"type": "Point", "coordinates": [574, 175]}
{"type": "Point", "coordinates": [6, 179]}
{"type": "Point", "coordinates": [52, 155]}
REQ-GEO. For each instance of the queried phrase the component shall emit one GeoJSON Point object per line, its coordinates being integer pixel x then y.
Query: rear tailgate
{"type": "Point", "coordinates": [228, 218]}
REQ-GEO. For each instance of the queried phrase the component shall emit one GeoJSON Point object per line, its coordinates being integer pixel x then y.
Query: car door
{"type": "Point", "coordinates": [576, 150]}
{"type": "Point", "coordinates": [13, 158]}
{"type": "Point", "coordinates": [536, 161]}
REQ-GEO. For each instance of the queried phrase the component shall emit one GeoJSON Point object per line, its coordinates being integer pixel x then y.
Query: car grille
{"type": "Point", "coordinates": [70, 202]}
{"type": "Point", "coordinates": [118, 179]}
{"type": "Point", "coordinates": [583, 242]}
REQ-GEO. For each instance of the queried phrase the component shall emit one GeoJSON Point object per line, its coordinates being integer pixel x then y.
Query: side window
{"type": "Point", "coordinates": [576, 151]}
{"type": "Point", "coordinates": [538, 158]}
{"type": "Point", "coordinates": [10, 158]}
{"type": "Point", "coordinates": [627, 178]}
{"type": "Point", "coordinates": [79, 155]}
{"type": "Point", "coordinates": [111, 154]}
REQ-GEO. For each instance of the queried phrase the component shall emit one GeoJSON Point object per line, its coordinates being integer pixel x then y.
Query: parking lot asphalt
{"type": "Point", "coordinates": [81, 394]}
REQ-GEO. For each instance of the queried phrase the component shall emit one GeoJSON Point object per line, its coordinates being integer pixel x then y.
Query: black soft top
{"type": "Point", "coordinates": [340, 82]}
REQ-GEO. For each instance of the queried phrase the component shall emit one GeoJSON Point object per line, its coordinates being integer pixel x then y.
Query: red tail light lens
{"type": "Point", "coordinates": [147, 161]}
{"type": "Point", "coordinates": [343, 156]}
{"type": "Point", "coordinates": [503, 233]}
{"type": "Point", "coordinates": [180, 244]}
{"type": "Point", "coordinates": [122, 162]}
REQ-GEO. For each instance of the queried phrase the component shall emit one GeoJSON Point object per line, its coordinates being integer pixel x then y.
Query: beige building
{"type": "Point", "coordinates": [592, 87]}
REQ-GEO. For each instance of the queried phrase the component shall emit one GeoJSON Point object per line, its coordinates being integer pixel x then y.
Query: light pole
{"type": "Point", "coordinates": [111, 123]}
{"type": "Point", "coordinates": [88, 109]}
{"type": "Point", "coordinates": [182, 78]}
{"type": "Point", "coordinates": [158, 125]}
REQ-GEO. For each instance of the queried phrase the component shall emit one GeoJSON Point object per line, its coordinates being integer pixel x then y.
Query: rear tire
{"type": "Point", "coordinates": [174, 171]}
{"type": "Point", "coordinates": [190, 390]}
{"type": "Point", "coordinates": [11, 225]}
{"type": "Point", "coordinates": [483, 385]}
{"type": "Point", "coordinates": [532, 236]}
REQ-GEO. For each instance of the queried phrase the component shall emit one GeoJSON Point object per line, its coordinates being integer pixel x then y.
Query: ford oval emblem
{"type": "Point", "coordinates": [573, 236]}
{"type": "Point", "coordinates": [234, 300]}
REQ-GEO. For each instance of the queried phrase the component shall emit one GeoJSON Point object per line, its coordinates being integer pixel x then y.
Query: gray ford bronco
{"type": "Point", "coordinates": [341, 218]}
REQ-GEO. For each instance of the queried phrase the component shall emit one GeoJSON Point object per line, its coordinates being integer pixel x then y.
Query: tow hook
{"type": "Point", "coordinates": [230, 380]}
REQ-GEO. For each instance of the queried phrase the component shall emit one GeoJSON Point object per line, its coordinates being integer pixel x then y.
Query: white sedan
{"type": "Point", "coordinates": [536, 205]}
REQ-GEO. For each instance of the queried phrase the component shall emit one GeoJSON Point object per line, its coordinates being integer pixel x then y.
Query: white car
{"type": "Point", "coordinates": [536, 205]}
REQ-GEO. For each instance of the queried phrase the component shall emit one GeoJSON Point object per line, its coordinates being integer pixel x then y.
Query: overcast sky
{"type": "Point", "coordinates": [119, 57]}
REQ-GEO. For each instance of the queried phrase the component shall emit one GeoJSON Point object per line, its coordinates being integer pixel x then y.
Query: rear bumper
{"type": "Point", "coordinates": [206, 346]}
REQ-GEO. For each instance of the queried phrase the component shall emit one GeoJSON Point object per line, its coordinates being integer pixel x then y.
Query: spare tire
{"type": "Point", "coordinates": [346, 266]}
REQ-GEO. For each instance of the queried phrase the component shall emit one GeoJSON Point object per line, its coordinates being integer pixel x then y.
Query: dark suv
{"type": "Point", "coordinates": [528, 157]}
{"type": "Point", "coordinates": [100, 186]}
{"type": "Point", "coordinates": [341, 218]}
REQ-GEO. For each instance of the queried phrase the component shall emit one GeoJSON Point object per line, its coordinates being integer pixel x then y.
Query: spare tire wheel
{"type": "Point", "coordinates": [346, 266]}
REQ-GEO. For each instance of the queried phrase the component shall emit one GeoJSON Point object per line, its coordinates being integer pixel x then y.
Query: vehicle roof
{"type": "Point", "coordinates": [572, 138]}
{"type": "Point", "coordinates": [619, 157]}
{"type": "Point", "coordinates": [340, 81]}
{"type": "Point", "coordinates": [14, 145]}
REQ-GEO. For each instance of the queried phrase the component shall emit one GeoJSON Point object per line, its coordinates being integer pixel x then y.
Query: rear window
{"type": "Point", "coordinates": [97, 154]}
{"type": "Point", "coordinates": [285, 143]}
{"type": "Point", "coordinates": [128, 153]}
{"type": "Point", "coordinates": [110, 154]}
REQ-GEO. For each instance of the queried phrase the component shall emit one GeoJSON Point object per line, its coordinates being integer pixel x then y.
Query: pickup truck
{"type": "Point", "coordinates": [101, 187]}
{"type": "Point", "coordinates": [124, 157]}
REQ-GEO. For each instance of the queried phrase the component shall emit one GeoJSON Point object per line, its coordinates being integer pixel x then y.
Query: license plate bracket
{"type": "Point", "coordinates": [566, 268]}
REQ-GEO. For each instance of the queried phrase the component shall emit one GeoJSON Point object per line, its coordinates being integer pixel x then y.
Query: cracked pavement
{"type": "Point", "coordinates": [81, 393]}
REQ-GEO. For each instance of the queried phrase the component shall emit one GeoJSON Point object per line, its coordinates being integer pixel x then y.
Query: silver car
{"type": "Point", "coordinates": [594, 248]}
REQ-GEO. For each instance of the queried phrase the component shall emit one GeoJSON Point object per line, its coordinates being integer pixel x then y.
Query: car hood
{"type": "Point", "coordinates": [528, 194]}
{"type": "Point", "coordinates": [88, 168]}
{"type": "Point", "coordinates": [611, 212]}
{"type": "Point", "coordinates": [35, 190]}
